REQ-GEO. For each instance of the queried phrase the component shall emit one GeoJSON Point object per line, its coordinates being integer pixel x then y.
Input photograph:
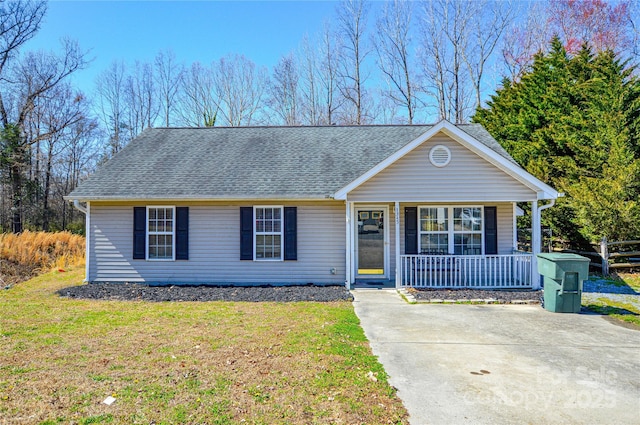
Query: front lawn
{"type": "Point", "coordinates": [195, 363]}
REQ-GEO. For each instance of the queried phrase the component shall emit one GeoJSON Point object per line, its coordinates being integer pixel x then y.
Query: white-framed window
{"type": "Point", "coordinates": [268, 226]}
{"type": "Point", "coordinates": [450, 230]}
{"type": "Point", "coordinates": [161, 232]}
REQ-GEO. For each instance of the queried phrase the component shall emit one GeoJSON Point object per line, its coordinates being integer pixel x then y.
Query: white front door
{"type": "Point", "coordinates": [371, 236]}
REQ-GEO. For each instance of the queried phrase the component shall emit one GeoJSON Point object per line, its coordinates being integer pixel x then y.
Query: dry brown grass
{"type": "Point", "coordinates": [28, 253]}
{"type": "Point", "coordinates": [184, 363]}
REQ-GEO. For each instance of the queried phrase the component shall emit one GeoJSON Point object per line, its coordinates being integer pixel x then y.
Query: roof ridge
{"type": "Point", "coordinates": [291, 126]}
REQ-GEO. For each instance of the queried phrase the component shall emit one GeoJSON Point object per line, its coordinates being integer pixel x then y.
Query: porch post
{"type": "Point", "coordinates": [536, 237]}
{"type": "Point", "coordinates": [348, 245]}
{"type": "Point", "coordinates": [396, 213]}
{"type": "Point", "coordinates": [515, 227]}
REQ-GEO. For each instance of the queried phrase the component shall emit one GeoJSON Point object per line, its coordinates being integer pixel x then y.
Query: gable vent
{"type": "Point", "coordinates": [440, 155]}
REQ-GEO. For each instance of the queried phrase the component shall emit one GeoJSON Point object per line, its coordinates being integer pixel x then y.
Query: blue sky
{"type": "Point", "coordinates": [195, 30]}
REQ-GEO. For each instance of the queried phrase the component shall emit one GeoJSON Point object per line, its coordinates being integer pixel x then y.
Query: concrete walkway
{"type": "Point", "coordinates": [503, 364]}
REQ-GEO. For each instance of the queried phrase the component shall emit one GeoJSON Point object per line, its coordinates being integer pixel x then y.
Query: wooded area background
{"type": "Point", "coordinates": [554, 82]}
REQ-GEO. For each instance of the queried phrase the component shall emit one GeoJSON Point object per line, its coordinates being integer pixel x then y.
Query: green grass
{"type": "Point", "coordinates": [173, 363]}
{"type": "Point", "coordinates": [622, 311]}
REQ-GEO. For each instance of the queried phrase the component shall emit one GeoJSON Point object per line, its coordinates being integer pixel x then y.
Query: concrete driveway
{"type": "Point", "coordinates": [502, 364]}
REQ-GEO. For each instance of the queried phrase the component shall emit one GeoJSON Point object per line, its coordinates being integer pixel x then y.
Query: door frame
{"type": "Point", "coordinates": [354, 232]}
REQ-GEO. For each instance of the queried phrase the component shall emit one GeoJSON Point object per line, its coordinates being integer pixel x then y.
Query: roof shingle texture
{"type": "Point", "coordinates": [250, 162]}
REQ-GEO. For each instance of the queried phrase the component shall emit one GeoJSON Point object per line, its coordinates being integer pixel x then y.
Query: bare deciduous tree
{"type": "Point", "coordinates": [443, 26]}
{"type": "Point", "coordinates": [309, 85]}
{"type": "Point", "coordinates": [392, 45]}
{"type": "Point", "coordinates": [488, 25]}
{"type": "Point", "coordinates": [284, 97]}
{"type": "Point", "coordinates": [168, 75]}
{"type": "Point", "coordinates": [240, 88]}
{"type": "Point", "coordinates": [19, 22]}
{"type": "Point", "coordinates": [32, 78]}
{"type": "Point", "coordinates": [459, 37]}
{"type": "Point", "coordinates": [600, 24]}
{"type": "Point", "coordinates": [197, 97]}
{"type": "Point", "coordinates": [111, 104]}
{"type": "Point", "coordinates": [524, 40]}
{"type": "Point", "coordinates": [50, 123]}
{"type": "Point", "coordinates": [141, 99]}
{"type": "Point", "coordinates": [352, 18]}
{"type": "Point", "coordinates": [328, 75]}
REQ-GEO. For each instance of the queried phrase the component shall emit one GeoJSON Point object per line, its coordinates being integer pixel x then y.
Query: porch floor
{"type": "Point", "coordinates": [374, 284]}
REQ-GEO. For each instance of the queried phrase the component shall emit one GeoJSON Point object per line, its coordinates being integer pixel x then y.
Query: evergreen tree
{"type": "Point", "coordinates": [574, 121]}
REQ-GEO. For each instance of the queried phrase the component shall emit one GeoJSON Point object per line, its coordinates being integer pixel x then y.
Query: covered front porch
{"type": "Point", "coordinates": [441, 213]}
{"type": "Point", "coordinates": [437, 245]}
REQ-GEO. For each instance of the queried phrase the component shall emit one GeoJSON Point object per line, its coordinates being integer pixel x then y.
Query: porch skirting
{"type": "Point", "coordinates": [467, 271]}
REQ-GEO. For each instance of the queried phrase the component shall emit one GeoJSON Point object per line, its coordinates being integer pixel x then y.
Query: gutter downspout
{"type": "Point", "coordinates": [86, 211]}
{"type": "Point", "coordinates": [79, 207]}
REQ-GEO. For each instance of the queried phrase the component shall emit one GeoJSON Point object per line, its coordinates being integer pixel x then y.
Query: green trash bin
{"type": "Point", "coordinates": [563, 276]}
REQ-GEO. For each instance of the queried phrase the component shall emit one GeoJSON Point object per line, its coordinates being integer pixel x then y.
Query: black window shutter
{"type": "Point", "coordinates": [182, 233]}
{"type": "Point", "coordinates": [290, 233]}
{"type": "Point", "coordinates": [410, 230]}
{"type": "Point", "coordinates": [490, 231]}
{"type": "Point", "coordinates": [139, 232]}
{"type": "Point", "coordinates": [246, 233]}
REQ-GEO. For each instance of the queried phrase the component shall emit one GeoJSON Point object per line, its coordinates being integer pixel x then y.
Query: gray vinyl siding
{"type": "Point", "coordinates": [467, 178]}
{"type": "Point", "coordinates": [214, 248]}
{"type": "Point", "coordinates": [505, 228]}
{"type": "Point", "coordinates": [505, 224]}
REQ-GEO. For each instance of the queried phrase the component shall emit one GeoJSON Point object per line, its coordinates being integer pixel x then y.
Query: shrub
{"type": "Point", "coordinates": [43, 250]}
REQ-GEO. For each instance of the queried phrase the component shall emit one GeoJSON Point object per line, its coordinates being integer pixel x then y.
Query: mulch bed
{"type": "Point", "coordinates": [465, 295]}
{"type": "Point", "coordinates": [142, 292]}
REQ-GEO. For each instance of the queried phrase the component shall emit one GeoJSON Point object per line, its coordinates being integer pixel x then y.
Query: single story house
{"type": "Point", "coordinates": [402, 205]}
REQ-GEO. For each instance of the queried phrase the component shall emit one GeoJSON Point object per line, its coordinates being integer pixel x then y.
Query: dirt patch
{"type": "Point", "coordinates": [12, 273]}
{"type": "Point", "coordinates": [141, 292]}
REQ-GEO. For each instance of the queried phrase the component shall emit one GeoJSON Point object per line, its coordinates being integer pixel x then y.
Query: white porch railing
{"type": "Point", "coordinates": [466, 271]}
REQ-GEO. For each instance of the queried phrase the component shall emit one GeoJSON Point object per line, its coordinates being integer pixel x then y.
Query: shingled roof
{"type": "Point", "coordinates": [250, 162]}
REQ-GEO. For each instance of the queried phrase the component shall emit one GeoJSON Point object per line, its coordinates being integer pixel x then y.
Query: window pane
{"type": "Point", "coordinates": [434, 219]}
{"type": "Point", "coordinates": [259, 246]}
{"type": "Point", "coordinates": [276, 213]}
{"type": "Point", "coordinates": [169, 214]}
{"type": "Point", "coordinates": [468, 244]}
{"type": "Point", "coordinates": [152, 214]}
{"type": "Point", "coordinates": [268, 213]}
{"type": "Point", "coordinates": [268, 250]}
{"type": "Point", "coordinates": [277, 226]}
{"type": "Point", "coordinates": [276, 244]}
{"type": "Point", "coordinates": [434, 244]}
{"type": "Point", "coordinates": [160, 213]}
{"type": "Point", "coordinates": [467, 219]}
{"type": "Point", "coordinates": [477, 220]}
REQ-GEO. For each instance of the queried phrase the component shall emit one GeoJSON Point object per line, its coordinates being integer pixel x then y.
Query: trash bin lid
{"type": "Point", "coordinates": [562, 256]}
